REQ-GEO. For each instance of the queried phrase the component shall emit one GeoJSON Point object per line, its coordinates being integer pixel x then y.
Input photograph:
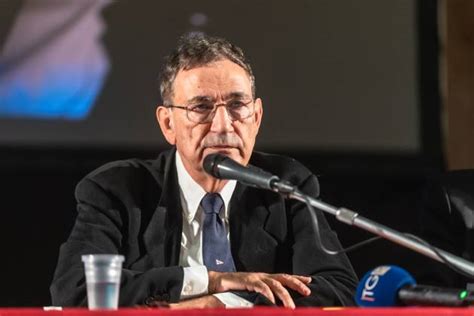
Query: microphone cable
{"type": "Point", "coordinates": [441, 256]}
{"type": "Point", "coordinates": [315, 222]}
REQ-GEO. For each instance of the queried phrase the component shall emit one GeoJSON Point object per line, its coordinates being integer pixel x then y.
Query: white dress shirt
{"type": "Point", "coordinates": [195, 282]}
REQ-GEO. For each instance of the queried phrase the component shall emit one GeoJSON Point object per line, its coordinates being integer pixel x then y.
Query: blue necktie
{"type": "Point", "coordinates": [215, 246]}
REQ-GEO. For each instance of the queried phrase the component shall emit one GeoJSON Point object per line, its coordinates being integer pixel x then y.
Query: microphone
{"type": "Point", "coordinates": [392, 286]}
{"type": "Point", "coordinates": [223, 167]}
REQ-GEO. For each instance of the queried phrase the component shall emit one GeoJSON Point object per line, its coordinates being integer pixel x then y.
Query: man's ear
{"type": "Point", "coordinates": [165, 119]}
{"type": "Point", "coordinates": [258, 112]}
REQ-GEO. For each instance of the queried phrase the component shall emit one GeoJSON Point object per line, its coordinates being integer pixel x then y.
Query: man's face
{"type": "Point", "coordinates": [218, 82]}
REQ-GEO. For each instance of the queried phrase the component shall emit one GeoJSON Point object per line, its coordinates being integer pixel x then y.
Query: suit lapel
{"type": "Point", "coordinates": [253, 246]}
{"type": "Point", "coordinates": [162, 237]}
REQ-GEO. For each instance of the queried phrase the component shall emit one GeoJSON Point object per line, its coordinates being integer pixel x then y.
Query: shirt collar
{"type": "Point", "coordinates": [193, 193]}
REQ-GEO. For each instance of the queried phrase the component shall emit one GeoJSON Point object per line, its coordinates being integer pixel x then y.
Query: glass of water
{"type": "Point", "coordinates": [103, 280]}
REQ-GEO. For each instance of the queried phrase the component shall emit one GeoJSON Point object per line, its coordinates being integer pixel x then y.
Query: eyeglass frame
{"type": "Point", "coordinates": [212, 114]}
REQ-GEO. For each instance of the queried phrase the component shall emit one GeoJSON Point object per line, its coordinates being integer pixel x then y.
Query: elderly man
{"type": "Point", "coordinates": [188, 238]}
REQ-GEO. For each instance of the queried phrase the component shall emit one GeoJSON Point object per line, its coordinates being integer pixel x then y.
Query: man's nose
{"type": "Point", "coordinates": [222, 121]}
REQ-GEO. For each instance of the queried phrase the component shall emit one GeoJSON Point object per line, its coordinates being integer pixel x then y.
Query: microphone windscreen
{"type": "Point", "coordinates": [210, 164]}
{"type": "Point", "coordinates": [380, 286]}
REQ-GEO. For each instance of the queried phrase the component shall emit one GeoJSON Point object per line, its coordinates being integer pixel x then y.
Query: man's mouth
{"type": "Point", "coordinates": [221, 146]}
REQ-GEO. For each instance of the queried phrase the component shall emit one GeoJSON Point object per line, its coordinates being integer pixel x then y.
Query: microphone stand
{"type": "Point", "coordinates": [354, 219]}
{"type": "Point", "coordinates": [223, 167]}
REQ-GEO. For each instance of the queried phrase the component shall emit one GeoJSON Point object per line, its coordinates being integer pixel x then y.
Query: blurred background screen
{"type": "Point", "coordinates": [333, 75]}
{"type": "Point", "coordinates": [350, 88]}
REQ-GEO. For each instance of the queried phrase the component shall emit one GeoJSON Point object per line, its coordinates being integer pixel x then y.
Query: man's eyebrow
{"type": "Point", "coordinates": [206, 98]}
{"type": "Point", "coordinates": [200, 98]}
{"type": "Point", "coordinates": [237, 95]}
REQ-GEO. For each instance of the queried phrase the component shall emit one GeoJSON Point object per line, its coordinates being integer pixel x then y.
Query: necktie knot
{"type": "Point", "coordinates": [212, 203]}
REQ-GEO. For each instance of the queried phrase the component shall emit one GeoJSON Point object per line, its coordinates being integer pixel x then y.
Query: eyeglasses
{"type": "Point", "coordinates": [204, 112]}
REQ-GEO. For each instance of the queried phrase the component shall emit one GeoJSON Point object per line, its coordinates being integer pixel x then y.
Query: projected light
{"type": "Point", "coordinates": [53, 64]}
{"type": "Point", "coordinates": [198, 19]}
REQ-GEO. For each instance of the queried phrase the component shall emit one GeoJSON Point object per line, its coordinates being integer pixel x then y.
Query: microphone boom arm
{"type": "Point", "coordinates": [354, 219]}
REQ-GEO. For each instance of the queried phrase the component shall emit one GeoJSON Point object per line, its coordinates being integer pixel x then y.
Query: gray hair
{"type": "Point", "coordinates": [198, 49]}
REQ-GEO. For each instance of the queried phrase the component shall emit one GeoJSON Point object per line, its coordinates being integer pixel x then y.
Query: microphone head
{"type": "Point", "coordinates": [380, 286]}
{"type": "Point", "coordinates": [210, 164]}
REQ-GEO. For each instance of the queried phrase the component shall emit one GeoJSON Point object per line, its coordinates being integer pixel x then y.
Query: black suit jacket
{"type": "Point", "coordinates": [133, 207]}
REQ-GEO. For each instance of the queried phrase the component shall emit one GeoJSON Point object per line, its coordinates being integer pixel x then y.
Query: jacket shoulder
{"type": "Point", "coordinates": [130, 177]}
{"type": "Point", "coordinates": [286, 168]}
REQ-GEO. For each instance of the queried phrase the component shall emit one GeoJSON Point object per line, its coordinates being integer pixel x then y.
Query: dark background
{"type": "Point", "coordinates": [37, 180]}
